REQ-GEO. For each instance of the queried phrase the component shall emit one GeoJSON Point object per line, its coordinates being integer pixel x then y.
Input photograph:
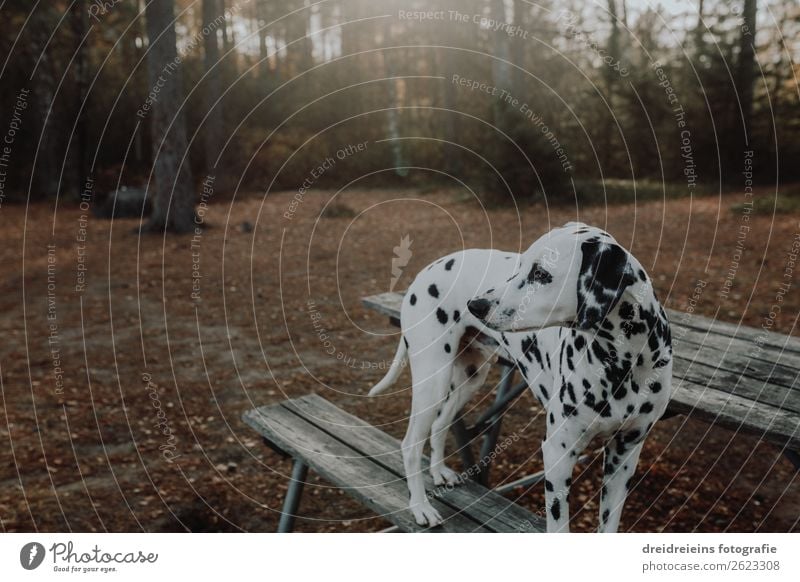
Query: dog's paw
{"type": "Point", "coordinates": [425, 514]}
{"type": "Point", "coordinates": [443, 475]}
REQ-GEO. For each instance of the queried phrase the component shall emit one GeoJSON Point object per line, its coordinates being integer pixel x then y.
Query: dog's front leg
{"type": "Point", "coordinates": [560, 455]}
{"type": "Point", "coordinates": [619, 464]}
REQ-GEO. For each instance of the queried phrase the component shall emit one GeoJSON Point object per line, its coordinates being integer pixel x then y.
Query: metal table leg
{"type": "Point", "coordinates": [463, 438]}
{"type": "Point", "coordinates": [794, 457]}
{"type": "Point", "coordinates": [493, 431]}
{"type": "Point", "coordinates": [292, 500]}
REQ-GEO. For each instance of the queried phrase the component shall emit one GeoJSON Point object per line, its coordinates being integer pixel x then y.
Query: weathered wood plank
{"type": "Point", "coordinates": [742, 348]}
{"type": "Point", "coordinates": [718, 377]}
{"type": "Point", "coordinates": [770, 339]}
{"type": "Point", "coordinates": [481, 504]}
{"type": "Point", "coordinates": [387, 303]}
{"type": "Point", "coordinates": [371, 484]}
{"type": "Point", "coordinates": [736, 413]}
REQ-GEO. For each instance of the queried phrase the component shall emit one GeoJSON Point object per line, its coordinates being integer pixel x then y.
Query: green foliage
{"type": "Point", "coordinates": [786, 201]}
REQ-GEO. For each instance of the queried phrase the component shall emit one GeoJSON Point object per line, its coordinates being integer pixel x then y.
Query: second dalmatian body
{"type": "Point", "coordinates": [578, 315]}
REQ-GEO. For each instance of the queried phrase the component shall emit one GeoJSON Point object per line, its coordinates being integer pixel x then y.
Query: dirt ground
{"type": "Point", "coordinates": [92, 375]}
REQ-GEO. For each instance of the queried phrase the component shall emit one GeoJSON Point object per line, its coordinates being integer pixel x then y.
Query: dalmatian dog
{"type": "Point", "coordinates": [579, 316]}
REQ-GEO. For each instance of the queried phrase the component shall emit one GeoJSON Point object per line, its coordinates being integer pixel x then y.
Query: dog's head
{"type": "Point", "coordinates": [572, 276]}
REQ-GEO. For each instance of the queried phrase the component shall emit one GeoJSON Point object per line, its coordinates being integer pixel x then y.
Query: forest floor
{"type": "Point", "coordinates": [135, 352]}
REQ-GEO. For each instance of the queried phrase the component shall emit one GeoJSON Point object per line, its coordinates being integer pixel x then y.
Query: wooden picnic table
{"type": "Point", "coordinates": [736, 377]}
{"type": "Point", "coordinates": [741, 378]}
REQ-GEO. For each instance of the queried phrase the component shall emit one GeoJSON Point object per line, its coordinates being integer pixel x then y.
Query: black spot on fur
{"type": "Point", "coordinates": [569, 410]}
{"type": "Point", "coordinates": [413, 299]}
{"type": "Point", "coordinates": [548, 485]}
{"type": "Point", "coordinates": [626, 310]}
{"type": "Point", "coordinates": [604, 274]}
{"type": "Point", "coordinates": [441, 315]}
{"type": "Point", "coordinates": [631, 436]}
{"type": "Point", "coordinates": [655, 387]}
{"type": "Point", "coordinates": [545, 394]}
{"type": "Point", "coordinates": [605, 516]}
{"type": "Point", "coordinates": [552, 418]}
{"type": "Point", "coordinates": [555, 509]}
{"type": "Point", "coordinates": [580, 342]}
{"type": "Point", "coordinates": [471, 370]}
{"type": "Point", "coordinates": [447, 348]}
{"type": "Point", "coordinates": [646, 408]}
{"type": "Point", "coordinates": [433, 291]}
{"type": "Point", "coordinates": [456, 316]}
{"type": "Point", "coordinates": [539, 275]}
{"type": "Point", "coordinates": [449, 264]}
{"type": "Point", "coordinates": [405, 339]}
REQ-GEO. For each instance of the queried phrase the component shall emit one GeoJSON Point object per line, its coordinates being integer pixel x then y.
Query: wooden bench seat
{"type": "Point", "coordinates": [367, 464]}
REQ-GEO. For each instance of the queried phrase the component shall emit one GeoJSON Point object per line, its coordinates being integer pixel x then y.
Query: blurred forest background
{"type": "Point", "coordinates": [669, 96]}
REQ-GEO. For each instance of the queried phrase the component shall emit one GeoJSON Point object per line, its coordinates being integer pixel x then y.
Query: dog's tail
{"type": "Point", "coordinates": [394, 370]}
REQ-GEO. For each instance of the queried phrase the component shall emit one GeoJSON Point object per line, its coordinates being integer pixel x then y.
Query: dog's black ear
{"type": "Point", "coordinates": [604, 275]}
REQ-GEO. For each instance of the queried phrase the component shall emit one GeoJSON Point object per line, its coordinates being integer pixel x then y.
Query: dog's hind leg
{"type": "Point", "coordinates": [430, 379]}
{"type": "Point", "coordinates": [469, 374]}
{"type": "Point", "coordinates": [619, 464]}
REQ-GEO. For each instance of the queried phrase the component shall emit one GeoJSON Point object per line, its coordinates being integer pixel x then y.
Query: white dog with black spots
{"type": "Point", "coordinates": [579, 316]}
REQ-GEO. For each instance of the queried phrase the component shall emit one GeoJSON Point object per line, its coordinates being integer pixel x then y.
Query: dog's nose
{"type": "Point", "coordinates": [479, 307]}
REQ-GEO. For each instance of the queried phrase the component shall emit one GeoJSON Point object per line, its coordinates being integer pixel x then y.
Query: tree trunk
{"type": "Point", "coordinates": [172, 190]}
{"type": "Point", "coordinates": [298, 24]}
{"type": "Point", "coordinates": [80, 25]}
{"type": "Point", "coordinates": [262, 13]}
{"type": "Point", "coordinates": [501, 70]}
{"type": "Point", "coordinates": [699, 30]}
{"type": "Point", "coordinates": [613, 49]}
{"type": "Point", "coordinates": [213, 86]}
{"type": "Point", "coordinates": [393, 121]}
{"type": "Point", "coordinates": [228, 44]}
{"type": "Point", "coordinates": [518, 46]}
{"type": "Point", "coordinates": [746, 67]}
{"type": "Point", "coordinates": [44, 181]}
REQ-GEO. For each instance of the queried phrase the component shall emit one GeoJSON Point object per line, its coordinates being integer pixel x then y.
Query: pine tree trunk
{"type": "Point", "coordinates": [80, 22]}
{"type": "Point", "coordinates": [44, 181]}
{"type": "Point", "coordinates": [501, 69]}
{"type": "Point", "coordinates": [213, 85]}
{"type": "Point", "coordinates": [747, 67]}
{"type": "Point", "coordinates": [171, 189]}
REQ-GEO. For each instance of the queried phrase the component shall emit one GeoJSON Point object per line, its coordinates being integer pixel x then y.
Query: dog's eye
{"type": "Point", "coordinates": [539, 275]}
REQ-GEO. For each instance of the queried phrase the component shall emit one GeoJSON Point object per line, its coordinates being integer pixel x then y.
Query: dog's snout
{"type": "Point", "coordinates": [479, 307]}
